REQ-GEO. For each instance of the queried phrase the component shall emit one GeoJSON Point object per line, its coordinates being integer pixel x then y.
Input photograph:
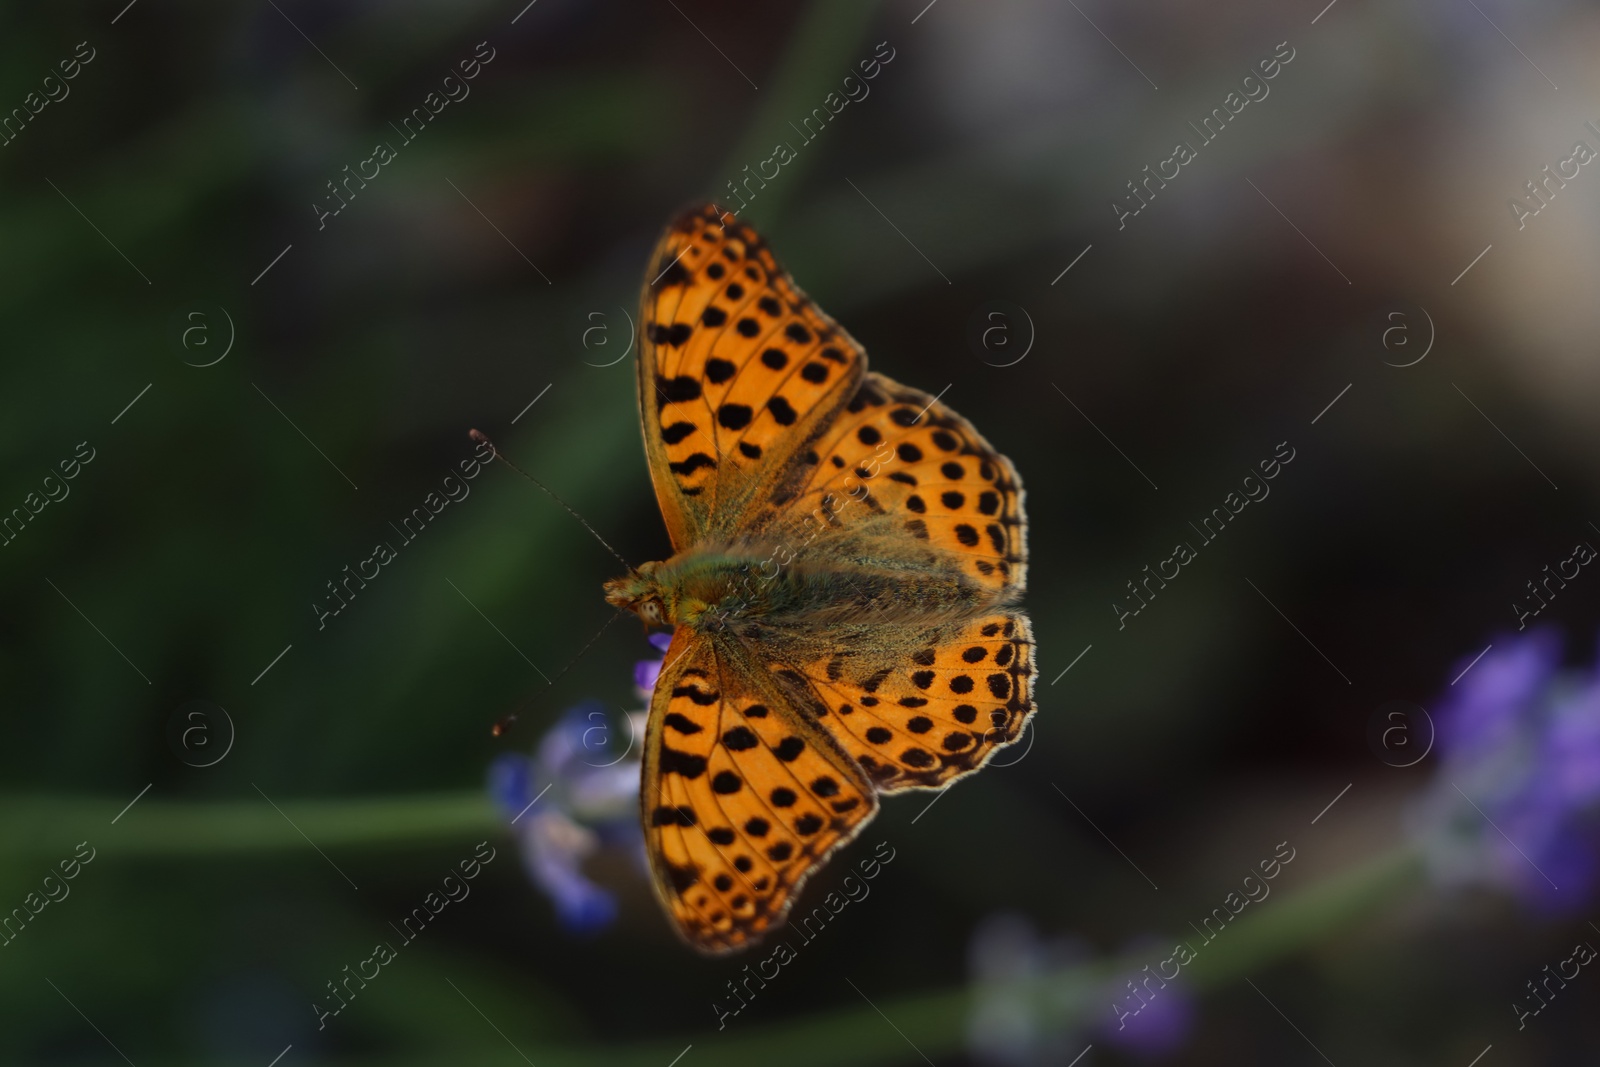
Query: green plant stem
{"type": "Point", "coordinates": [45, 825]}
{"type": "Point", "coordinates": [935, 1020]}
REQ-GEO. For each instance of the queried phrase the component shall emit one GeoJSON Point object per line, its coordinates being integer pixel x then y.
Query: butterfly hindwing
{"type": "Point", "coordinates": [737, 369]}
{"type": "Point", "coordinates": [742, 795]}
{"type": "Point", "coordinates": [935, 713]}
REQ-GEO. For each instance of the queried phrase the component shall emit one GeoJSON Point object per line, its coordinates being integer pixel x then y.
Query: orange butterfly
{"type": "Point", "coordinates": [848, 552]}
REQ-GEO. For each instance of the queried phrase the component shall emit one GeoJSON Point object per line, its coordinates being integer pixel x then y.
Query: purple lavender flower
{"type": "Point", "coordinates": [1037, 1001]}
{"type": "Point", "coordinates": [1485, 712]}
{"type": "Point", "coordinates": [646, 671]}
{"type": "Point", "coordinates": [1023, 1011]}
{"type": "Point", "coordinates": [1153, 1023]}
{"type": "Point", "coordinates": [569, 800]}
{"type": "Point", "coordinates": [1516, 801]}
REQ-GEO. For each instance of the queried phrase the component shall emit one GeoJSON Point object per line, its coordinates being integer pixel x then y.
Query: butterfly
{"type": "Point", "coordinates": [848, 556]}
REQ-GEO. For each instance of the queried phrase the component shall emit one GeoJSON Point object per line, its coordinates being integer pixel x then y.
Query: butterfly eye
{"type": "Point", "coordinates": [651, 610]}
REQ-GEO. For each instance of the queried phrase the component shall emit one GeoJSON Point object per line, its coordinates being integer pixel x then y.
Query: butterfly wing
{"type": "Point", "coordinates": [918, 709]}
{"type": "Point", "coordinates": [742, 795]}
{"type": "Point", "coordinates": [737, 370]}
{"type": "Point", "coordinates": [903, 477]}
{"type": "Point", "coordinates": [898, 465]}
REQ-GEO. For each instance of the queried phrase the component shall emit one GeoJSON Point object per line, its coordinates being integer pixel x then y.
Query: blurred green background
{"type": "Point", "coordinates": [458, 287]}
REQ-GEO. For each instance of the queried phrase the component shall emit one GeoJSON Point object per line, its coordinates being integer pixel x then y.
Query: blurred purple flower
{"type": "Point", "coordinates": [1027, 994]}
{"type": "Point", "coordinates": [1516, 801]}
{"type": "Point", "coordinates": [576, 795]}
{"type": "Point", "coordinates": [1039, 1002]}
{"type": "Point", "coordinates": [646, 671]}
{"type": "Point", "coordinates": [1485, 712]}
{"type": "Point", "coordinates": [1154, 1025]}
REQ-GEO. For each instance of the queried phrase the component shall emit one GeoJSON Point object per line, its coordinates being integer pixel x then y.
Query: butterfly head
{"type": "Point", "coordinates": [641, 594]}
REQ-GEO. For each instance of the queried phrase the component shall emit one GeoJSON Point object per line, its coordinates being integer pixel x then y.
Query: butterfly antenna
{"type": "Point", "coordinates": [482, 438]}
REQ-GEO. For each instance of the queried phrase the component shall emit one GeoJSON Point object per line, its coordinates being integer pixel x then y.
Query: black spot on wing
{"type": "Point", "coordinates": [678, 390]}
{"type": "Point", "coordinates": [695, 461]}
{"type": "Point", "coordinates": [681, 878]}
{"type": "Point", "coordinates": [672, 274]}
{"type": "Point", "coordinates": [701, 697]}
{"type": "Point", "coordinates": [681, 723]}
{"type": "Point", "coordinates": [677, 432]}
{"type": "Point", "coordinates": [782, 411]}
{"type": "Point", "coordinates": [739, 739]}
{"type": "Point", "coordinates": [685, 764]}
{"type": "Point", "coordinates": [672, 815]}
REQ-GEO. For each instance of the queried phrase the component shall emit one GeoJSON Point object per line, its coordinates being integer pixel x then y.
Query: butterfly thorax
{"type": "Point", "coordinates": [747, 588]}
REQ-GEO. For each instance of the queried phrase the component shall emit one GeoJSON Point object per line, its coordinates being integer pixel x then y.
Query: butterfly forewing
{"type": "Point", "coordinates": [743, 795]}
{"type": "Point", "coordinates": [737, 369]}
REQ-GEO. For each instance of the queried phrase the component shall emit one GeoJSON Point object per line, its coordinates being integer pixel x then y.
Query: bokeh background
{"type": "Point", "coordinates": [494, 262]}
